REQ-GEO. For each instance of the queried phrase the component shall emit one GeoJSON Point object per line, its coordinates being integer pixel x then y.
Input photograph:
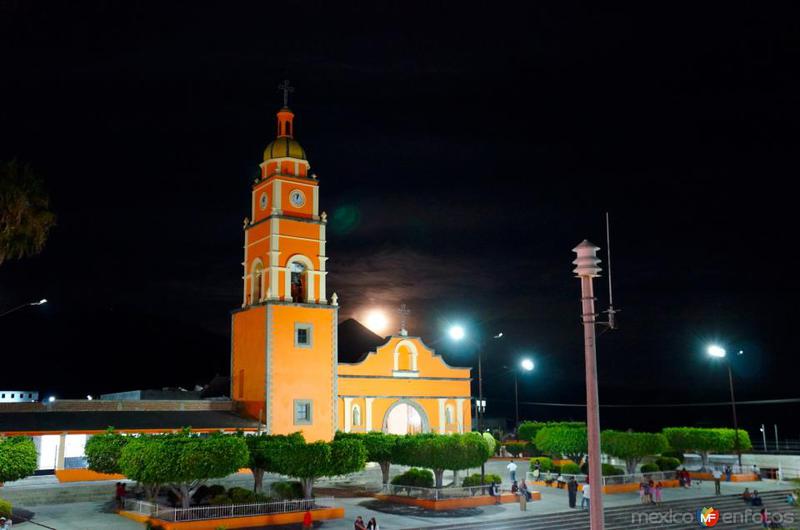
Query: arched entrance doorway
{"type": "Point", "coordinates": [405, 417]}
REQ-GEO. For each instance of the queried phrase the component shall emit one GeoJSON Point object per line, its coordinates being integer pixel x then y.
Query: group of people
{"type": "Point", "coordinates": [119, 495]}
{"type": "Point", "coordinates": [650, 492]}
{"type": "Point", "coordinates": [521, 490]}
{"type": "Point", "coordinates": [359, 524]}
{"type": "Point", "coordinates": [753, 499]}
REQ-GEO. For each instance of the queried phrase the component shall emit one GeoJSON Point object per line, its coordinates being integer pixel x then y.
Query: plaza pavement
{"type": "Point", "coordinates": [91, 515]}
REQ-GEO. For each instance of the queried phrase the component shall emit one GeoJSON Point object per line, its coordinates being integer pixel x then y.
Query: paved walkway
{"type": "Point", "coordinates": [92, 515]}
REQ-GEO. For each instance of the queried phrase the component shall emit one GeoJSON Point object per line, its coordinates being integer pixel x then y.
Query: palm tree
{"type": "Point", "coordinates": [25, 216]}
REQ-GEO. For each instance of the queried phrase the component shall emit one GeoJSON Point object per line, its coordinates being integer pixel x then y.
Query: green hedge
{"type": "Point", "coordinates": [570, 468]}
{"type": "Point", "coordinates": [545, 463]}
{"type": "Point", "coordinates": [287, 490]}
{"type": "Point", "coordinates": [678, 455]}
{"type": "Point", "coordinates": [650, 468]}
{"type": "Point", "coordinates": [475, 480]}
{"type": "Point", "coordinates": [667, 463]}
{"type": "Point", "coordinates": [421, 478]}
{"type": "Point", "coordinates": [608, 470]}
{"type": "Point", "coordinates": [5, 508]}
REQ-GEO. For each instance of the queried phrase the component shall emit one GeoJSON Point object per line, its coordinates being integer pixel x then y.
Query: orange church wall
{"type": "Point", "coordinates": [302, 373]}
{"type": "Point", "coordinates": [248, 360]}
{"type": "Point", "coordinates": [377, 378]}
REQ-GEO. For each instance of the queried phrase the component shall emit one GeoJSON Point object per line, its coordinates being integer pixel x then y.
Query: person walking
{"type": "Point", "coordinates": [523, 497]}
{"type": "Point", "coordinates": [572, 491]}
{"type": "Point", "coordinates": [585, 498]}
{"type": "Point", "coordinates": [512, 470]}
{"type": "Point", "coordinates": [372, 524]}
{"type": "Point", "coordinates": [359, 524]}
{"type": "Point", "coordinates": [728, 473]}
{"type": "Point", "coordinates": [659, 487]}
{"type": "Point", "coordinates": [717, 477]}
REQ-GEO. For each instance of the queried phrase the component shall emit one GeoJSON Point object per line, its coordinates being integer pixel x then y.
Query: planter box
{"type": "Point", "coordinates": [614, 488]}
{"type": "Point", "coordinates": [454, 504]}
{"type": "Point", "coordinates": [736, 477]}
{"type": "Point", "coordinates": [240, 522]}
{"type": "Point", "coordinates": [83, 475]}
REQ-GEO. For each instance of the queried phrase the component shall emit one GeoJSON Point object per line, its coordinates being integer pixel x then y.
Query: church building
{"type": "Point", "coordinates": [286, 368]}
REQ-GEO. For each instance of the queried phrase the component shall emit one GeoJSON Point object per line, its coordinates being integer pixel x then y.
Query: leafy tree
{"type": "Point", "coordinates": [183, 461]}
{"type": "Point", "coordinates": [706, 440]}
{"type": "Point", "coordinates": [528, 430]}
{"type": "Point", "coordinates": [308, 462]}
{"type": "Point", "coordinates": [491, 442]}
{"type": "Point", "coordinates": [25, 216]}
{"type": "Point", "coordinates": [380, 448]}
{"type": "Point", "coordinates": [17, 458]}
{"type": "Point", "coordinates": [263, 449]}
{"type": "Point", "coordinates": [104, 450]}
{"type": "Point", "coordinates": [632, 447]}
{"type": "Point", "coordinates": [439, 452]}
{"type": "Point", "coordinates": [563, 440]}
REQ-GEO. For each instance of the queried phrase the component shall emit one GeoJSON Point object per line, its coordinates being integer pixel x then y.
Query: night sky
{"type": "Point", "coordinates": [462, 150]}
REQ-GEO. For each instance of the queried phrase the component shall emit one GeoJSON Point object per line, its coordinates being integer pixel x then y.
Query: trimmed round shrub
{"type": "Point", "coordinates": [241, 495]}
{"type": "Point", "coordinates": [607, 469]}
{"type": "Point", "coordinates": [5, 508]}
{"type": "Point", "coordinates": [220, 500]}
{"type": "Point", "coordinates": [475, 480]}
{"type": "Point", "coordinates": [287, 490]}
{"type": "Point", "coordinates": [216, 489]}
{"type": "Point", "coordinates": [570, 468]}
{"type": "Point", "coordinates": [420, 478]}
{"type": "Point", "coordinates": [516, 447]}
{"type": "Point", "coordinates": [545, 464]}
{"type": "Point", "coordinates": [667, 463]}
{"type": "Point", "coordinates": [678, 455]}
{"type": "Point", "coordinates": [650, 468]}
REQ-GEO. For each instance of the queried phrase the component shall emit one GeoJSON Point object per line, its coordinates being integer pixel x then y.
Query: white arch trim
{"type": "Point", "coordinates": [257, 265]}
{"type": "Point", "coordinates": [413, 353]}
{"type": "Point", "coordinates": [287, 278]}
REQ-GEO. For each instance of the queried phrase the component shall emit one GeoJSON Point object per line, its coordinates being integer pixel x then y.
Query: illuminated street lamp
{"type": "Point", "coordinates": [40, 302]}
{"type": "Point", "coordinates": [719, 352]}
{"type": "Point", "coordinates": [458, 333]}
{"type": "Point", "coordinates": [526, 365]}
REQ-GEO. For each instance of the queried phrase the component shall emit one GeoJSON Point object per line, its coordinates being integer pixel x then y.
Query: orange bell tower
{"type": "Point", "coordinates": [284, 344]}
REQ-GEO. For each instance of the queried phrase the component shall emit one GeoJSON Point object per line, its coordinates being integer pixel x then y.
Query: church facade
{"type": "Point", "coordinates": [285, 369]}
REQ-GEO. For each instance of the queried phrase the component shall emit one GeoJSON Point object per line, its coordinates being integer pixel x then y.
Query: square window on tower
{"type": "Point", "coordinates": [302, 335]}
{"type": "Point", "coordinates": [302, 411]}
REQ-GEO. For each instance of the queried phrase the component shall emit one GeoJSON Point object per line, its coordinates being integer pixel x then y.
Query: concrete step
{"type": "Point", "coordinates": [634, 517]}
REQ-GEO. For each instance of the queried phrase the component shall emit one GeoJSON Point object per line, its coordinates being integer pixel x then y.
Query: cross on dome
{"type": "Point", "coordinates": [287, 88]}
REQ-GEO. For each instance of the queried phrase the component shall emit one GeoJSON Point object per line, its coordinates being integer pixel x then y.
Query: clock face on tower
{"type": "Point", "coordinates": [297, 198]}
{"type": "Point", "coordinates": [263, 200]}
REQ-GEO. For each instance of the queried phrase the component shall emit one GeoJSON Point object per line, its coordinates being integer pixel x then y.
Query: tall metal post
{"type": "Point", "coordinates": [516, 402]}
{"type": "Point", "coordinates": [480, 403]}
{"type": "Point", "coordinates": [587, 269]}
{"type": "Point", "coordinates": [764, 437]}
{"type": "Point", "coordinates": [777, 445]}
{"type": "Point", "coordinates": [735, 420]}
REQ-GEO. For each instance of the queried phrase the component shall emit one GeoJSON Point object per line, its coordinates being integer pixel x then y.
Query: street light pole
{"type": "Point", "coordinates": [516, 402]}
{"type": "Point", "coordinates": [735, 420]}
{"type": "Point", "coordinates": [720, 353]}
{"type": "Point", "coordinates": [587, 269]}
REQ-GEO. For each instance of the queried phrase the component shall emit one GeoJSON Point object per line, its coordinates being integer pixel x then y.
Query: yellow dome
{"type": "Point", "coordinates": [282, 147]}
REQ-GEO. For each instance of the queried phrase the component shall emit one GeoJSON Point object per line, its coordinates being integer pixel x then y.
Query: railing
{"type": "Point", "coordinates": [198, 513]}
{"type": "Point", "coordinates": [607, 480]}
{"type": "Point", "coordinates": [438, 494]}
